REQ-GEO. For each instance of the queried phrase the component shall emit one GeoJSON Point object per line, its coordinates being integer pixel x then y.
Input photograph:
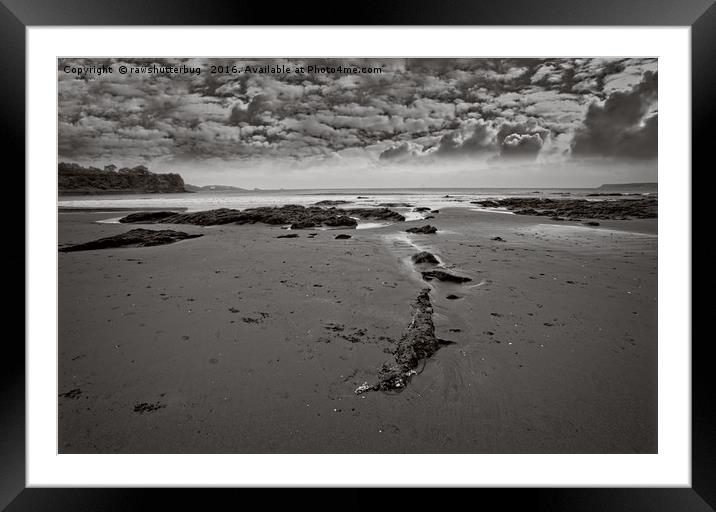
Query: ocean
{"type": "Point", "coordinates": [436, 198]}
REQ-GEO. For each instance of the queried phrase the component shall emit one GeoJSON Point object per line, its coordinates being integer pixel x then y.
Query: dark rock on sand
{"type": "Point", "coordinates": [623, 208]}
{"type": "Point", "coordinates": [422, 209]}
{"type": "Point", "coordinates": [418, 342]}
{"type": "Point", "coordinates": [441, 275]}
{"type": "Point", "coordinates": [338, 221]}
{"type": "Point", "coordinates": [591, 223]}
{"type": "Point", "coordinates": [203, 218]}
{"type": "Point", "coordinates": [342, 237]}
{"type": "Point", "coordinates": [72, 393]}
{"type": "Point", "coordinates": [306, 224]}
{"type": "Point", "coordinates": [434, 211]}
{"type": "Point", "coordinates": [424, 257]}
{"type": "Point", "coordinates": [452, 296]}
{"type": "Point", "coordinates": [289, 214]}
{"type": "Point", "coordinates": [146, 217]}
{"type": "Point", "coordinates": [381, 214]}
{"type": "Point", "coordinates": [428, 229]}
{"type": "Point", "coordinates": [298, 217]}
{"type": "Point", "coordinates": [143, 407]}
{"type": "Point", "coordinates": [292, 235]}
{"type": "Point", "coordinates": [497, 239]}
{"type": "Point", "coordinates": [134, 238]}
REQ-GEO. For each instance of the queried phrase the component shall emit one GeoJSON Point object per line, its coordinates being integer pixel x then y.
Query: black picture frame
{"type": "Point", "coordinates": [17, 15]}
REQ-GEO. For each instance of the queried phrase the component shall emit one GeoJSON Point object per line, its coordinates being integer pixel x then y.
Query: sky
{"type": "Point", "coordinates": [312, 123]}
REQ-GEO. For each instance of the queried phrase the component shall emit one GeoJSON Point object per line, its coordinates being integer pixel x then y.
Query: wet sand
{"type": "Point", "coordinates": [242, 342]}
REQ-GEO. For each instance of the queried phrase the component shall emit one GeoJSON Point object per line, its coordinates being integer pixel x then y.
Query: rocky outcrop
{"type": "Point", "coordinates": [379, 214]}
{"type": "Point", "coordinates": [75, 179]}
{"type": "Point", "coordinates": [424, 257]}
{"type": "Point", "coordinates": [146, 217]}
{"type": "Point", "coordinates": [620, 209]}
{"type": "Point", "coordinates": [133, 238]}
{"type": "Point", "coordinates": [441, 275]}
{"type": "Point", "coordinates": [298, 217]}
{"type": "Point", "coordinates": [425, 230]}
{"type": "Point", "coordinates": [417, 343]}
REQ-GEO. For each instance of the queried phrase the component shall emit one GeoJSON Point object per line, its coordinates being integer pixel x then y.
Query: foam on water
{"type": "Point", "coordinates": [372, 225]}
{"type": "Point", "coordinates": [492, 210]}
{"type": "Point", "coordinates": [596, 230]}
{"type": "Point", "coordinates": [113, 220]}
{"type": "Point", "coordinates": [411, 215]}
{"type": "Point", "coordinates": [404, 246]}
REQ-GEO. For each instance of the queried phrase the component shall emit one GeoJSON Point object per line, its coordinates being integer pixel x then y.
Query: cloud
{"type": "Point", "coordinates": [481, 139]}
{"type": "Point", "coordinates": [428, 110]}
{"type": "Point", "coordinates": [624, 126]}
{"type": "Point", "coordinates": [521, 145]}
{"type": "Point", "coordinates": [521, 140]}
{"type": "Point", "coordinates": [401, 151]}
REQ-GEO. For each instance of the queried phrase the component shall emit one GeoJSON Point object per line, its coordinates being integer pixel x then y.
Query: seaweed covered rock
{"type": "Point", "coordinates": [203, 218]}
{"type": "Point", "coordinates": [621, 209]}
{"type": "Point", "coordinates": [424, 230]}
{"type": "Point", "coordinates": [297, 216]}
{"type": "Point", "coordinates": [340, 221]}
{"type": "Point", "coordinates": [134, 238]}
{"type": "Point", "coordinates": [146, 217]}
{"type": "Point", "coordinates": [417, 343]}
{"type": "Point", "coordinates": [424, 257]}
{"type": "Point", "coordinates": [379, 214]}
{"type": "Point", "coordinates": [305, 224]}
{"type": "Point", "coordinates": [441, 275]}
{"type": "Point", "coordinates": [396, 205]}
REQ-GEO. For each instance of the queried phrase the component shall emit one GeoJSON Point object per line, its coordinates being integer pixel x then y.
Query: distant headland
{"type": "Point", "coordinates": [76, 179]}
{"type": "Point", "coordinates": [630, 186]}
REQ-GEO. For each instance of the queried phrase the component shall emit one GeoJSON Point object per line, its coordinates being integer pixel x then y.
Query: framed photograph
{"type": "Point", "coordinates": [416, 248]}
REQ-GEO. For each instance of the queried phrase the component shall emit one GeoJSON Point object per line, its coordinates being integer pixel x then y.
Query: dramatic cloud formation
{"type": "Point", "coordinates": [625, 125]}
{"type": "Point", "coordinates": [405, 111]}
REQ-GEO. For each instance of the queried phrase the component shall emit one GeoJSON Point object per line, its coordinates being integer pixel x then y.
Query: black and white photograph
{"type": "Point", "coordinates": [357, 255]}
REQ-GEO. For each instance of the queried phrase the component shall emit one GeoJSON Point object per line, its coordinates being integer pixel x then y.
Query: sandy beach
{"type": "Point", "coordinates": [242, 342]}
